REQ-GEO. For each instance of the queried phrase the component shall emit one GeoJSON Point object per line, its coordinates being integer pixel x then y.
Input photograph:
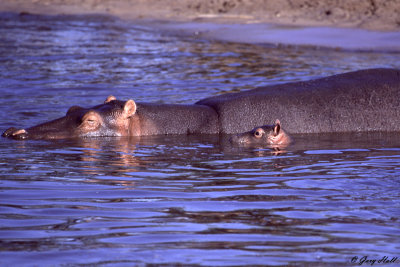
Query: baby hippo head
{"type": "Point", "coordinates": [267, 135]}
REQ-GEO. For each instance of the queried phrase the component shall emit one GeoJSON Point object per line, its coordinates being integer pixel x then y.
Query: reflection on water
{"type": "Point", "coordinates": [166, 199]}
{"type": "Point", "coordinates": [179, 199]}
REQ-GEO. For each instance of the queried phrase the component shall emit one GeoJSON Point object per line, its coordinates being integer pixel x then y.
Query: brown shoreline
{"type": "Point", "coordinates": [381, 15]}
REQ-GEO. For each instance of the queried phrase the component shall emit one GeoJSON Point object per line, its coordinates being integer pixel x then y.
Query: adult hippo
{"type": "Point", "coordinates": [360, 101]}
{"type": "Point", "coordinates": [366, 100]}
{"type": "Point", "coordinates": [124, 118]}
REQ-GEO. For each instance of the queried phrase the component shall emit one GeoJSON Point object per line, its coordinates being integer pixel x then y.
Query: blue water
{"type": "Point", "coordinates": [326, 200]}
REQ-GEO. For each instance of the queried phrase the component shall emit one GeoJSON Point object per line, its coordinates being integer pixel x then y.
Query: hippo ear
{"type": "Point", "coordinates": [109, 99]}
{"type": "Point", "coordinates": [73, 109]}
{"type": "Point", "coordinates": [129, 108]}
{"type": "Point", "coordinates": [277, 127]}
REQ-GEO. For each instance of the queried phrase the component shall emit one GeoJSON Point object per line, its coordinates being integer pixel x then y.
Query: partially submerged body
{"type": "Point", "coordinates": [360, 101]}
{"type": "Point", "coordinates": [123, 118]}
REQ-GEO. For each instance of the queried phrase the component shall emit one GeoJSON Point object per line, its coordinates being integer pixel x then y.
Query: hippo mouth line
{"type": "Point", "coordinates": [22, 134]}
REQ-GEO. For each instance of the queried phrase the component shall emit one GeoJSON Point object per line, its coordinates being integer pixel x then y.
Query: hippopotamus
{"type": "Point", "coordinates": [124, 118]}
{"type": "Point", "coordinates": [360, 101]}
{"type": "Point", "coordinates": [272, 135]}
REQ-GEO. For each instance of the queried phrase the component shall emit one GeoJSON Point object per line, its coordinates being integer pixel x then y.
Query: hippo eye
{"type": "Point", "coordinates": [258, 133]}
{"type": "Point", "coordinates": [90, 120]}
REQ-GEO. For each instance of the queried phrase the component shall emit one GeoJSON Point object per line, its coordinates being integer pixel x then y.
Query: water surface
{"type": "Point", "coordinates": [180, 199]}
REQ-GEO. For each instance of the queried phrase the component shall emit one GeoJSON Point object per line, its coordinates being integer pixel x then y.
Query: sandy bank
{"type": "Point", "coordinates": [350, 39]}
{"type": "Point", "coordinates": [372, 14]}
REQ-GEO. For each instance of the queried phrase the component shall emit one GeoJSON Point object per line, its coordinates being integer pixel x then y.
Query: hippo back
{"type": "Point", "coordinates": [366, 100]}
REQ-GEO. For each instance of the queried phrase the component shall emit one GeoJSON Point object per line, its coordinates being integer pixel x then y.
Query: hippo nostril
{"type": "Point", "coordinates": [9, 132]}
{"type": "Point", "coordinates": [15, 133]}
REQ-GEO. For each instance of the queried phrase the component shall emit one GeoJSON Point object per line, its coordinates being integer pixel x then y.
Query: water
{"type": "Point", "coordinates": [326, 200]}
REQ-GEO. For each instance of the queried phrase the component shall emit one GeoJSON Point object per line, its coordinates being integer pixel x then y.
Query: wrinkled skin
{"type": "Point", "coordinates": [109, 119]}
{"type": "Point", "coordinates": [267, 135]}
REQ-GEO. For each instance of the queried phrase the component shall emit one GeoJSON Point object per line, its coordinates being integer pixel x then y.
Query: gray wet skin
{"type": "Point", "coordinates": [366, 100]}
{"type": "Point", "coordinates": [267, 135]}
{"type": "Point", "coordinates": [123, 118]}
{"type": "Point", "coordinates": [359, 101]}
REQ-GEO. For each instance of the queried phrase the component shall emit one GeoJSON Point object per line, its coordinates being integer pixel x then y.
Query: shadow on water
{"type": "Point", "coordinates": [179, 199]}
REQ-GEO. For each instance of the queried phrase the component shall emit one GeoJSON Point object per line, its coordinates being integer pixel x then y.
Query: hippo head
{"type": "Point", "coordinates": [270, 135]}
{"type": "Point", "coordinates": [109, 119]}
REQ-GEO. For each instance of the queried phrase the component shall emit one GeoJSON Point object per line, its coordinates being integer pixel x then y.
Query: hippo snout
{"type": "Point", "coordinates": [15, 133]}
{"type": "Point", "coordinates": [239, 139]}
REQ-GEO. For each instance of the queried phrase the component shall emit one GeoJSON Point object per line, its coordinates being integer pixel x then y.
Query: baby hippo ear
{"type": "Point", "coordinates": [109, 99]}
{"type": "Point", "coordinates": [277, 127]}
{"type": "Point", "coordinates": [129, 108]}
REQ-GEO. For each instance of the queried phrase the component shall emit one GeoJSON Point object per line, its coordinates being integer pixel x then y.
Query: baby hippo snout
{"type": "Point", "coordinates": [15, 133]}
{"type": "Point", "coordinates": [242, 138]}
{"type": "Point", "coordinates": [270, 135]}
